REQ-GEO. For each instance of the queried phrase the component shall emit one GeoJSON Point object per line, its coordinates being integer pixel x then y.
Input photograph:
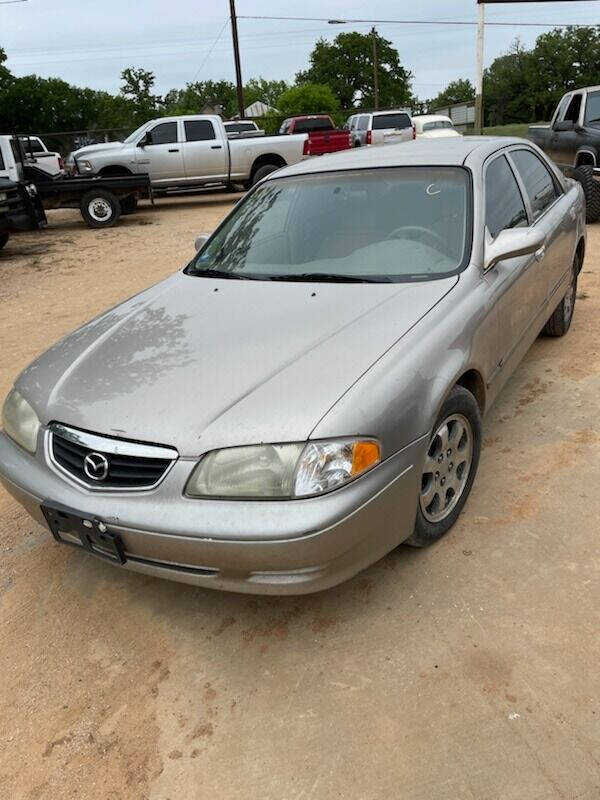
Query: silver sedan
{"type": "Point", "coordinates": [308, 392]}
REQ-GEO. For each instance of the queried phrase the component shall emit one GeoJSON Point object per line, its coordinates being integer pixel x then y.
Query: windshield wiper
{"type": "Point", "coordinates": [217, 273]}
{"type": "Point", "coordinates": [326, 277]}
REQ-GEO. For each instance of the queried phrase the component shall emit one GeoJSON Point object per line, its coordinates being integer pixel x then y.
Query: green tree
{"type": "Point", "coordinates": [195, 96]}
{"type": "Point", "coordinates": [309, 98]}
{"type": "Point", "coordinates": [346, 66]}
{"type": "Point", "coordinates": [267, 91]}
{"type": "Point", "coordinates": [506, 87]}
{"type": "Point", "coordinates": [137, 87]}
{"type": "Point", "coordinates": [459, 91]}
{"type": "Point", "coordinates": [5, 75]}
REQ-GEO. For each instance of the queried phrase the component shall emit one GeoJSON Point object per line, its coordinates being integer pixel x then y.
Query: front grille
{"type": "Point", "coordinates": [113, 463]}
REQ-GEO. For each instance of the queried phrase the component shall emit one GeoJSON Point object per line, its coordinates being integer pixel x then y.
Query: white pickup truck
{"type": "Point", "coordinates": [38, 153]}
{"type": "Point", "coordinates": [180, 152]}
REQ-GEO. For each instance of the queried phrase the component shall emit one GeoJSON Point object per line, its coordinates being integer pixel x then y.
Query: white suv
{"type": "Point", "coordinates": [380, 127]}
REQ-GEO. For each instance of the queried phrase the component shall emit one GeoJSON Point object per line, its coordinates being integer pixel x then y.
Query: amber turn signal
{"type": "Point", "coordinates": [364, 455]}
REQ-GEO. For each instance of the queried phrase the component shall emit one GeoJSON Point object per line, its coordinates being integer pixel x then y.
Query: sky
{"type": "Point", "coordinates": [89, 44]}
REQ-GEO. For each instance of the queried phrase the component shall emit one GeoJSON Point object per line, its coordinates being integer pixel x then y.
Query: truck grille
{"type": "Point", "coordinates": [104, 463]}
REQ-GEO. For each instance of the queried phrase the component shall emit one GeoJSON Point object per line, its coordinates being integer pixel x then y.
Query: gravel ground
{"type": "Point", "coordinates": [468, 671]}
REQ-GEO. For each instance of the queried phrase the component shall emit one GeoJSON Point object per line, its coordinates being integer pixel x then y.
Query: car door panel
{"type": "Point", "coordinates": [205, 156]}
{"type": "Point", "coordinates": [162, 158]}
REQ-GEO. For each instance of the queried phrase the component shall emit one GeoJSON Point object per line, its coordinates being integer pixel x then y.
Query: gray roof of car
{"type": "Point", "coordinates": [424, 152]}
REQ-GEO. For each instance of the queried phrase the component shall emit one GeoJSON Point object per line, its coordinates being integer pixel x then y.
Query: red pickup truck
{"type": "Point", "coordinates": [323, 137]}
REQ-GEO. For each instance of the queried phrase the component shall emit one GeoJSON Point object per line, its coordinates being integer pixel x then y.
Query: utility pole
{"type": "Point", "coordinates": [375, 69]}
{"type": "Point", "coordinates": [479, 73]}
{"type": "Point", "coordinates": [236, 57]}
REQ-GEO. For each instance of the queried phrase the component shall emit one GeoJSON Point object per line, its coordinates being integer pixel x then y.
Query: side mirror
{"type": "Point", "coordinates": [511, 243]}
{"type": "Point", "coordinates": [564, 126]}
{"type": "Point", "coordinates": [145, 140]}
{"type": "Point", "coordinates": [201, 241]}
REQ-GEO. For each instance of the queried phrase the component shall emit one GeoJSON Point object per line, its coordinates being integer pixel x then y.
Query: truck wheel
{"type": "Point", "coordinates": [591, 189]}
{"type": "Point", "coordinates": [100, 209]}
{"type": "Point", "coordinates": [129, 205]}
{"type": "Point", "coordinates": [262, 172]}
{"type": "Point", "coordinates": [3, 239]}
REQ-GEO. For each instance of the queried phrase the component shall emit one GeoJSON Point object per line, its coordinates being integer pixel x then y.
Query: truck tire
{"type": "Point", "coordinates": [262, 172]}
{"type": "Point", "coordinates": [591, 189]}
{"type": "Point", "coordinates": [100, 209]}
{"type": "Point", "coordinates": [129, 204]}
{"type": "Point", "coordinates": [3, 239]}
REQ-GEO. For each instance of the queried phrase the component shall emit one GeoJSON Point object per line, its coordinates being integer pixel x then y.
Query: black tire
{"type": "Point", "coordinates": [560, 322]}
{"type": "Point", "coordinates": [100, 209]}
{"type": "Point", "coordinates": [460, 408]}
{"type": "Point", "coordinates": [4, 237]}
{"type": "Point", "coordinates": [591, 189]}
{"type": "Point", "coordinates": [262, 172]}
{"type": "Point", "coordinates": [129, 205]}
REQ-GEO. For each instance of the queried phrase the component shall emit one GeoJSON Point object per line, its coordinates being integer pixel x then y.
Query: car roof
{"type": "Point", "coordinates": [450, 151]}
{"type": "Point", "coordinates": [432, 118]}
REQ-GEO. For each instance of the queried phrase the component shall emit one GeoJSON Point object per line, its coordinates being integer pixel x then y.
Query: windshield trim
{"type": "Point", "coordinates": [189, 269]}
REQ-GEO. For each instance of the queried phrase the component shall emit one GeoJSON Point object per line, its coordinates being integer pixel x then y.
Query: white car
{"type": "Point", "coordinates": [434, 126]}
{"type": "Point", "coordinates": [380, 127]}
{"type": "Point", "coordinates": [40, 157]}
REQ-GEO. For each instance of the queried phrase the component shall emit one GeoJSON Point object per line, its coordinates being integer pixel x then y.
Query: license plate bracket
{"type": "Point", "coordinates": [93, 534]}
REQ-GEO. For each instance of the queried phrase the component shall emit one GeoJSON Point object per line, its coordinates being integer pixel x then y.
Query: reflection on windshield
{"type": "Point", "coordinates": [400, 224]}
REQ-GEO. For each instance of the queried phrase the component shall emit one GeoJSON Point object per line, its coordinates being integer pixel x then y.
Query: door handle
{"type": "Point", "coordinates": [215, 147]}
{"type": "Point", "coordinates": [174, 150]}
{"type": "Point", "coordinates": [539, 254]}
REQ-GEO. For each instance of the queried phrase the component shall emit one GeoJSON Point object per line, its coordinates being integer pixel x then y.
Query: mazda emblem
{"type": "Point", "coordinates": [95, 466]}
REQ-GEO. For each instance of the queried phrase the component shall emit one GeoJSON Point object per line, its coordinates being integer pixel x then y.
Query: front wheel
{"type": "Point", "coordinates": [100, 209]}
{"type": "Point", "coordinates": [4, 237]}
{"type": "Point", "coordinates": [450, 465]}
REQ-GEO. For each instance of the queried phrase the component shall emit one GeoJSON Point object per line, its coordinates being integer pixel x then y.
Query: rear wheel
{"type": "Point", "coordinates": [450, 466]}
{"type": "Point", "coordinates": [129, 204]}
{"type": "Point", "coordinates": [262, 172]}
{"type": "Point", "coordinates": [560, 322]}
{"type": "Point", "coordinates": [100, 209]}
{"type": "Point", "coordinates": [591, 189]}
{"type": "Point", "coordinates": [4, 237]}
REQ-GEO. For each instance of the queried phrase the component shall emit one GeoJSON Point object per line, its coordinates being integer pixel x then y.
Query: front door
{"type": "Point", "coordinates": [205, 157]}
{"type": "Point", "coordinates": [564, 144]}
{"type": "Point", "coordinates": [162, 157]}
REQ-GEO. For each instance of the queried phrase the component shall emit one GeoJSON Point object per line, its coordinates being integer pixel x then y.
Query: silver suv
{"type": "Point", "coordinates": [380, 127]}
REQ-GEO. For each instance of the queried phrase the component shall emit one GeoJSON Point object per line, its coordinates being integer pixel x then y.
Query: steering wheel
{"type": "Point", "coordinates": [419, 234]}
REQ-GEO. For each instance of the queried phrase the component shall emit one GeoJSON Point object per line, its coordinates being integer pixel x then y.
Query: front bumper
{"type": "Point", "coordinates": [257, 547]}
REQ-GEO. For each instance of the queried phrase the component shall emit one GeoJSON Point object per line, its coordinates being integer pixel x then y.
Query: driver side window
{"type": "Point", "coordinates": [504, 206]}
{"type": "Point", "coordinates": [165, 133]}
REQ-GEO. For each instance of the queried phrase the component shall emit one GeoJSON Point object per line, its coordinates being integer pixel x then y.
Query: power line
{"type": "Point", "coordinates": [422, 22]}
{"type": "Point", "coordinates": [212, 47]}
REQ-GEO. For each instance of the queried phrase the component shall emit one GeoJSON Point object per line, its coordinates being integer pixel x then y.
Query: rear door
{"type": "Point", "coordinates": [204, 155]}
{"type": "Point", "coordinates": [391, 128]}
{"type": "Point", "coordinates": [162, 158]}
{"type": "Point", "coordinates": [551, 210]}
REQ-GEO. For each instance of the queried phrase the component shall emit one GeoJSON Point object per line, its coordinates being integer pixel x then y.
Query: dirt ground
{"type": "Point", "coordinates": [468, 671]}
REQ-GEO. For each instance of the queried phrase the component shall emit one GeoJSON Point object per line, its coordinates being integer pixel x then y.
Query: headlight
{"type": "Point", "coordinates": [85, 165]}
{"type": "Point", "coordinates": [3, 197]}
{"type": "Point", "coordinates": [20, 421]}
{"type": "Point", "coordinates": [282, 470]}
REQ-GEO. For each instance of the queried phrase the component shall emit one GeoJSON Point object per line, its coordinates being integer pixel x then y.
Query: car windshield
{"type": "Point", "coordinates": [384, 121]}
{"type": "Point", "coordinates": [592, 110]}
{"type": "Point", "coordinates": [133, 136]}
{"type": "Point", "coordinates": [399, 224]}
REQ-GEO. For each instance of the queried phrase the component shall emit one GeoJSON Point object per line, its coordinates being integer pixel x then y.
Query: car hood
{"type": "Point", "coordinates": [199, 363]}
{"type": "Point", "coordinates": [95, 149]}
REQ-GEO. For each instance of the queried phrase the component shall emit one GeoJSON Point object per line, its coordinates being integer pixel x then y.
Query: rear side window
{"type": "Point", "coordinates": [198, 130]}
{"type": "Point", "coordinates": [383, 121]}
{"type": "Point", "coordinates": [165, 133]}
{"type": "Point", "coordinates": [285, 128]}
{"type": "Point", "coordinates": [504, 206]}
{"type": "Point", "coordinates": [539, 183]}
{"type": "Point", "coordinates": [363, 123]}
